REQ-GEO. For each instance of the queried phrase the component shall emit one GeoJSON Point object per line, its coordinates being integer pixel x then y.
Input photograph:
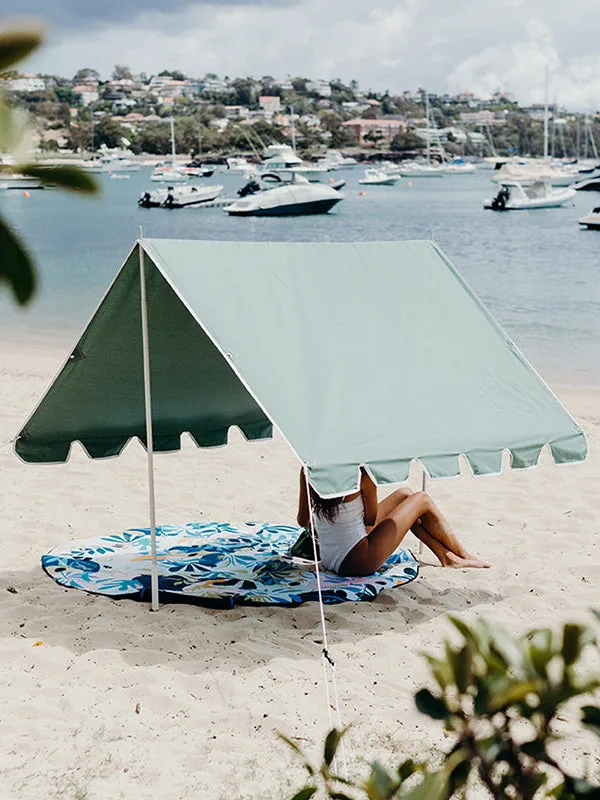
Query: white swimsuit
{"type": "Point", "coordinates": [336, 539]}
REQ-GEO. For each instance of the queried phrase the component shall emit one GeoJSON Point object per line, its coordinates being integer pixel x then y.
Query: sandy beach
{"type": "Point", "coordinates": [102, 699]}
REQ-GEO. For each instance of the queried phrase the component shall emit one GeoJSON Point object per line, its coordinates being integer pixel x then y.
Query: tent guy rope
{"type": "Point", "coordinates": [327, 659]}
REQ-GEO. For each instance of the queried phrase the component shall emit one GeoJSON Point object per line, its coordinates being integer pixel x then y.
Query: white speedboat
{"type": "Point", "coordinates": [272, 195]}
{"type": "Point", "coordinates": [179, 196]}
{"type": "Point", "coordinates": [592, 220]}
{"type": "Point", "coordinates": [421, 169]}
{"type": "Point", "coordinates": [378, 177]}
{"type": "Point", "coordinates": [515, 197]}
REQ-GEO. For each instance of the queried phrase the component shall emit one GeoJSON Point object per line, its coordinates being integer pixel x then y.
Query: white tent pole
{"type": "Point", "coordinates": [149, 436]}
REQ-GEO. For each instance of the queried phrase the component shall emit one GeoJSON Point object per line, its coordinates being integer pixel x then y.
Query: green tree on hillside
{"type": "Point", "coordinates": [121, 72]}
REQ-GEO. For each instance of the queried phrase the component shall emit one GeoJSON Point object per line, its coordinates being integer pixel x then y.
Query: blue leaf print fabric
{"type": "Point", "coordinates": [215, 563]}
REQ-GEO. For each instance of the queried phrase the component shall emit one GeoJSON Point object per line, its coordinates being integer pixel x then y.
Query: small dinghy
{"type": "Point", "coordinates": [519, 198]}
{"type": "Point", "coordinates": [592, 220]}
{"type": "Point", "coordinates": [274, 195]}
{"type": "Point", "coordinates": [378, 177]}
{"type": "Point", "coordinates": [179, 196]}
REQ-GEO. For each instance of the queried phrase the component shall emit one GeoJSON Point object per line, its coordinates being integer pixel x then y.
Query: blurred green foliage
{"type": "Point", "coordinates": [16, 265]}
{"type": "Point", "coordinates": [499, 696]}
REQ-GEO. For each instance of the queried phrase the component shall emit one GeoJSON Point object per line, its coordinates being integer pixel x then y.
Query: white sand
{"type": "Point", "coordinates": [213, 687]}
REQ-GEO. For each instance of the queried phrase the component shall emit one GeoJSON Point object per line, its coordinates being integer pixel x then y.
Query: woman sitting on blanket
{"type": "Point", "coordinates": [357, 534]}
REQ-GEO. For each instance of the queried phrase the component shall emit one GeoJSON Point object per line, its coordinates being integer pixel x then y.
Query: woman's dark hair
{"type": "Point", "coordinates": [325, 507]}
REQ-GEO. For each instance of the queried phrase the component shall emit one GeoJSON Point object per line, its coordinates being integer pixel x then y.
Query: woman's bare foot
{"type": "Point", "coordinates": [453, 561]}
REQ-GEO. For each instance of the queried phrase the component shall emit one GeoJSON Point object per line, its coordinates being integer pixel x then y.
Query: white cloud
{"type": "Point", "coordinates": [520, 69]}
{"type": "Point", "coordinates": [480, 45]}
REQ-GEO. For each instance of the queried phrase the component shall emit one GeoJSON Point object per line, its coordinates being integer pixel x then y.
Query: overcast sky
{"type": "Point", "coordinates": [444, 45]}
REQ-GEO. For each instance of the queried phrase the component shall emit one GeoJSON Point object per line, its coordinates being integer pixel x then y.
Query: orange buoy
{"type": "Point", "coordinates": [362, 193]}
{"type": "Point", "coordinates": [410, 183]}
{"type": "Point", "coordinates": [26, 194]}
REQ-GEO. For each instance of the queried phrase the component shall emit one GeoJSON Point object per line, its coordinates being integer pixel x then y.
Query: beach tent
{"type": "Point", "coordinates": [362, 354]}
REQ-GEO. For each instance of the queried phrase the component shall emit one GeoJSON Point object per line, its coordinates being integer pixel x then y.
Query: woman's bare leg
{"type": "Point", "coordinates": [401, 513]}
{"type": "Point", "coordinates": [431, 524]}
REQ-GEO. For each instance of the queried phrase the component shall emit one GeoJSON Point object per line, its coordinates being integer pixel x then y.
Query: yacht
{"type": "Point", "coordinates": [378, 177]}
{"type": "Point", "coordinates": [111, 159]}
{"type": "Point", "coordinates": [239, 165]}
{"type": "Point", "coordinates": [279, 195]}
{"type": "Point", "coordinates": [281, 158]}
{"type": "Point", "coordinates": [333, 159]}
{"type": "Point", "coordinates": [592, 220]}
{"type": "Point", "coordinates": [422, 169]}
{"type": "Point", "coordinates": [533, 172]}
{"type": "Point", "coordinates": [516, 197]}
{"type": "Point", "coordinates": [179, 196]}
{"type": "Point", "coordinates": [173, 172]}
{"type": "Point", "coordinates": [14, 180]}
{"type": "Point", "coordinates": [460, 167]}
{"type": "Point", "coordinates": [587, 185]}
{"type": "Point", "coordinates": [169, 173]}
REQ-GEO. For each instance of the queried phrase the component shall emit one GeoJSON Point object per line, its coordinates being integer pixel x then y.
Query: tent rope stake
{"type": "Point", "coordinates": [327, 659]}
{"type": "Point", "coordinates": [149, 433]}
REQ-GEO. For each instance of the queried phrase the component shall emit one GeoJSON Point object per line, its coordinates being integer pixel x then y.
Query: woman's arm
{"type": "Point", "coordinates": [303, 516]}
{"type": "Point", "coordinates": [369, 495]}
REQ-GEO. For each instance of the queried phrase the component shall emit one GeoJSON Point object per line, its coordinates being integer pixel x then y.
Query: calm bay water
{"type": "Point", "coordinates": [535, 270]}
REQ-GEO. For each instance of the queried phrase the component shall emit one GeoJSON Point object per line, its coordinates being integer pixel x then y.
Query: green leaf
{"type": "Point", "coordinates": [540, 649]}
{"type": "Point", "coordinates": [441, 671]}
{"type": "Point", "coordinates": [331, 745]}
{"type": "Point", "coordinates": [428, 704]}
{"type": "Point", "coordinates": [463, 667]}
{"type": "Point", "coordinates": [296, 749]}
{"type": "Point", "coordinates": [571, 643]}
{"type": "Point", "coordinates": [16, 45]}
{"type": "Point", "coordinates": [508, 648]}
{"type": "Point", "coordinates": [380, 784]}
{"type": "Point", "coordinates": [305, 793]}
{"type": "Point", "coordinates": [591, 718]}
{"type": "Point", "coordinates": [512, 694]}
{"type": "Point", "coordinates": [66, 177]}
{"type": "Point", "coordinates": [290, 743]}
{"type": "Point", "coordinates": [16, 266]}
{"type": "Point", "coordinates": [339, 796]}
{"type": "Point", "coordinates": [466, 632]}
{"type": "Point", "coordinates": [408, 768]}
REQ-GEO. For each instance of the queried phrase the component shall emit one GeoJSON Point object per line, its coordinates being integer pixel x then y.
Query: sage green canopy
{"type": "Point", "coordinates": [367, 354]}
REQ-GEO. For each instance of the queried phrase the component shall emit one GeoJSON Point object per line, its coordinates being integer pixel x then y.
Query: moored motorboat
{"type": "Point", "coordinates": [587, 185]}
{"type": "Point", "coordinates": [169, 173]}
{"type": "Point", "coordinates": [419, 169]}
{"type": "Point", "coordinates": [333, 159]}
{"type": "Point", "coordinates": [515, 197]}
{"type": "Point", "coordinates": [179, 196]}
{"type": "Point", "coordinates": [273, 195]}
{"type": "Point", "coordinates": [378, 177]}
{"type": "Point", "coordinates": [592, 220]}
{"type": "Point", "coordinates": [14, 180]}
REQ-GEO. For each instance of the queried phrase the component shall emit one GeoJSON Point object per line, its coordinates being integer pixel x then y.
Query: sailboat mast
{"type": "Point", "coordinates": [427, 127]}
{"type": "Point", "coordinates": [546, 114]}
{"type": "Point", "coordinates": [293, 128]}
{"type": "Point", "coordinates": [171, 120]}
